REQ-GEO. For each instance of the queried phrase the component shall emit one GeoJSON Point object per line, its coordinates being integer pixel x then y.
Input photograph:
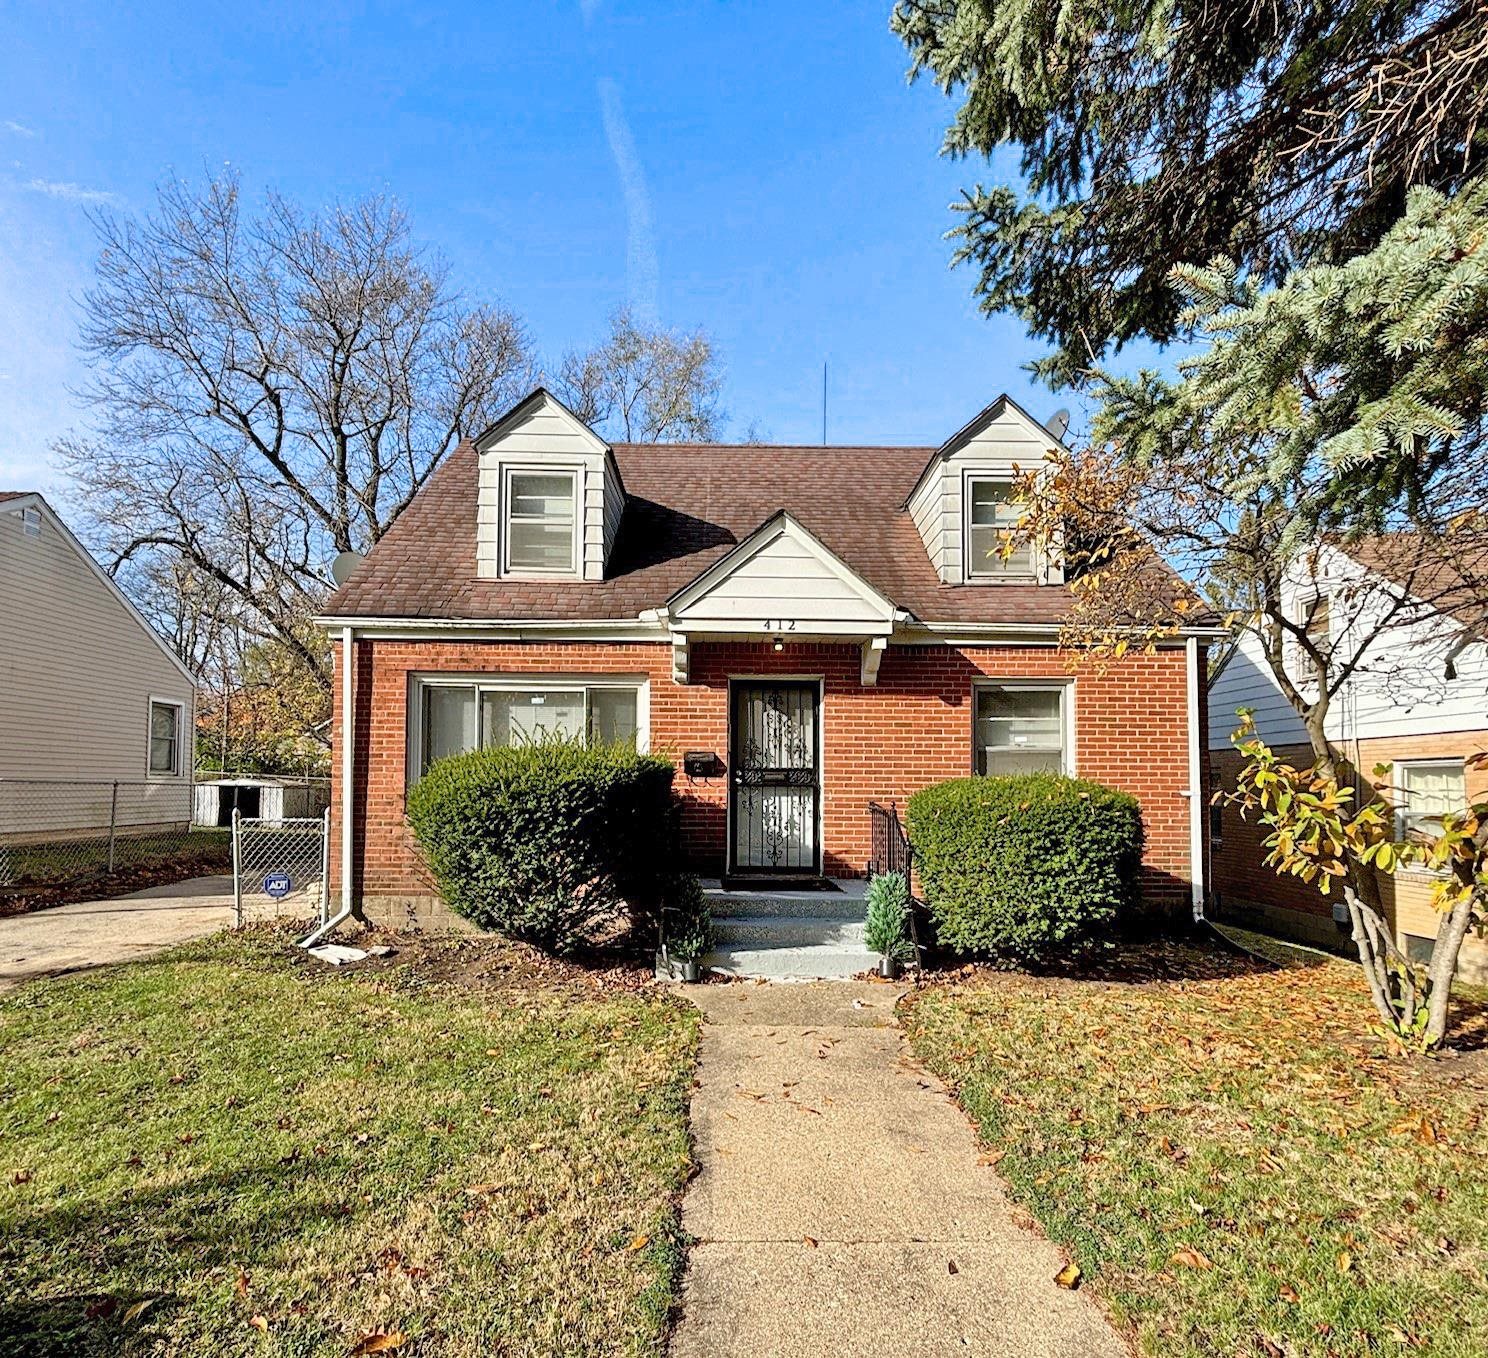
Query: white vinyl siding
{"type": "Point", "coordinates": [546, 438]}
{"type": "Point", "coordinates": [77, 668]}
{"type": "Point", "coordinates": [451, 714]}
{"type": "Point", "coordinates": [1021, 728]}
{"type": "Point", "coordinates": [1007, 445]}
{"type": "Point", "coordinates": [1401, 689]}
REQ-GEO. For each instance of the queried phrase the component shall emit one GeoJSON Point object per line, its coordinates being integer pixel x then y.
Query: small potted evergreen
{"type": "Point", "coordinates": [887, 931]}
{"type": "Point", "coordinates": [689, 932]}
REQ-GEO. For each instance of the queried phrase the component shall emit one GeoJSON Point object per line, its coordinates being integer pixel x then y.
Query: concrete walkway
{"type": "Point", "coordinates": [840, 1208]}
{"type": "Point", "coordinates": [93, 933]}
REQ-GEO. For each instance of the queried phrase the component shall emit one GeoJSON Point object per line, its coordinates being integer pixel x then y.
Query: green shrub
{"type": "Point", "coordinates": [688, 921]}
{"type": "Point", "coordinates": [547, 842]}
{"type": "Point", "coordinates": [1022, 867]}
{"type": "Point", "coordinates": [887, 930]}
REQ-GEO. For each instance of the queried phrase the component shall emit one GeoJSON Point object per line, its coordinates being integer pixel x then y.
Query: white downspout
{"type": "Point", "coordinates": [1196, 807]}
{"type": "Point", "coordinates": [348, 752]}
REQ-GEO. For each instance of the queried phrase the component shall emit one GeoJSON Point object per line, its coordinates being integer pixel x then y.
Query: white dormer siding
{"type": "Point", "coordinates": [1000, 444]}
{"type": "Point", "coordinates": [542, 436]}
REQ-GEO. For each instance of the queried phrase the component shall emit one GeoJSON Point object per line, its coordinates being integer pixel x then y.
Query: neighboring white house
{"type": "Point", "coordinates": [90, 694]}
{"type": "Point", "coordinates": [1418, 701]}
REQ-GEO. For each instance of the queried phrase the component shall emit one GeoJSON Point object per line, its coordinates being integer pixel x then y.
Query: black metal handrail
{"type": "Point", "coordinates": [892, 852]}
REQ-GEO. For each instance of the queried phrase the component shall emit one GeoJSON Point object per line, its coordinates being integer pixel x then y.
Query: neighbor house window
{"type": "Point", "coordinates": [990, 514]}
{"type": "Point", "coordinates": [165, 738]}
{"type": "Point", "coordinates": [1426, 791]}
{"type": "Point", "coordinates": [1020, 728]}
{"type": "Point", "coordinates": [540, 532]}
{"type": "Point", "coordinates": [453, 716]}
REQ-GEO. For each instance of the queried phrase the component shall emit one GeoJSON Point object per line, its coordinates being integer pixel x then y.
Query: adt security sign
{"type": "Point", "coordinates": [278, 884]}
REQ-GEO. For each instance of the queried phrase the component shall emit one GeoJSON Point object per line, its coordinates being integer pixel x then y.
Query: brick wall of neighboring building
{"type": "Point", "coordinates": [884, 742]}
{"type": "Point", "coordinates": [1248, 892]}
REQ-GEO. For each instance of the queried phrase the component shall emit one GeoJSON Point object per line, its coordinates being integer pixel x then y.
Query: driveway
{"type": "Point", "coordinates": [841, 1206]}
{"type": "Point", "coordinates": [93, 933]}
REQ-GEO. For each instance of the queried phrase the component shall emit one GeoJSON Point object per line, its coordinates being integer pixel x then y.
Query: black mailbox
{"type": "Point", "coordinates": [700, 764]}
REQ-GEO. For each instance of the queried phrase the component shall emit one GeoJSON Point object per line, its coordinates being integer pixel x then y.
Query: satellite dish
{"type": "Point", "coordinates": [1058, 423]}
{"type": "Point", "coordinates": [343, 566]}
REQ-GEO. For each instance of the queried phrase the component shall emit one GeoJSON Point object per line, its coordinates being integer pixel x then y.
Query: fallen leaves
{"type": "Point", "coordinates": [1069, 1276]}
{"type": "Point", "coordinates": [378, 1343]}
{"type": "Point", "coordinates": [1191, 1257]}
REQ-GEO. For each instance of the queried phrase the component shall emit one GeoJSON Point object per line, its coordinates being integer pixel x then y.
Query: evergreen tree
{"type": "Point", "coordinates": [1167, 132]}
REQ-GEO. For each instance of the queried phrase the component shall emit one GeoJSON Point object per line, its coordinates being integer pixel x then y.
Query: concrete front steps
{"type": "Point", "coordinates": [779, 934]}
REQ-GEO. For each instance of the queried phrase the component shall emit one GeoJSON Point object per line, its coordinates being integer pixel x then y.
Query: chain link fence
{"type": "Point", "coordinates": [280, 867]}
{"type": "Point", "coordinates": [57, 831]}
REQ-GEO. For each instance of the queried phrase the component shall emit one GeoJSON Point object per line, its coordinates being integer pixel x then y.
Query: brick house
{"type": "Point", "coordinates": [1415, 636]}
{"type": "Point", "coordinates": [805, 629]}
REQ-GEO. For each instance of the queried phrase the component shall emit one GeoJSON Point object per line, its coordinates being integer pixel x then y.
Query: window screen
{"type": "Point", "coordinates": [1427, 793]}
{"type": "Point", "coordinates": [1019, 730]}
{"type": "Point", "coordinates": [165, 738]}
{"type": "Point", "coordinates": [991, 513]}
{"type": "Point", "coordinates": [540, 521]}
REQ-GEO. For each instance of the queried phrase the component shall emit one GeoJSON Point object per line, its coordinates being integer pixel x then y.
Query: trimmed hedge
{"type": "Point", "coordinates": [1021, 867]}
{"type": "Point", "coordinates": [548, 842]}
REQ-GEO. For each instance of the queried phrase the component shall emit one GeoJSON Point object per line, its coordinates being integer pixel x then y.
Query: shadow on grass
{"type": "Point", "coordinates": [106, 1255]}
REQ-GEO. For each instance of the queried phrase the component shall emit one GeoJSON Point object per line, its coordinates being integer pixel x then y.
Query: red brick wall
{"type": "Point", "coordinates": [884, 742]}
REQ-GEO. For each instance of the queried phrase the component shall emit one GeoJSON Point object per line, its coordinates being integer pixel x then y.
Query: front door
{"type": "Point", "coordinates": [775, 777]}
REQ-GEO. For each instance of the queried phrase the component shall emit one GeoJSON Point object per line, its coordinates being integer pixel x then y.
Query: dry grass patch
{"type": "Point", "coordinates": [232, 1150]}
{"type": "Point", "coordinates": [1235, 1165]}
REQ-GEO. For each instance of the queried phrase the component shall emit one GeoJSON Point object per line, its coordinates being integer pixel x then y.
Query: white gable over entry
{"type": "Point", "coordinates": [781, 581]}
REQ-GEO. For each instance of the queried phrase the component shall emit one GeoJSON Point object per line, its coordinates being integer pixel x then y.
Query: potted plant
{"type": "Point", "coordinates": [689, 926]}
{"type": "Point", "coordinates": [887, 930]}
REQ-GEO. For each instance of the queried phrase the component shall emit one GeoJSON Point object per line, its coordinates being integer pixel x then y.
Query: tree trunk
{"type": "Point", "coordinates": [1449, 936]}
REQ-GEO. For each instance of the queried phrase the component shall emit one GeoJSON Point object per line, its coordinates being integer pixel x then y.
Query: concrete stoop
{"type": "Point", "coordinates": [787, 935]}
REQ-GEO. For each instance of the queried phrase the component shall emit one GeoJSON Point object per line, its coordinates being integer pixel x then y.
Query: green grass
{"type": "Point", "coordinates": [1334, 1200]}
{"type": "Point", "coordinates": [231, 1132]}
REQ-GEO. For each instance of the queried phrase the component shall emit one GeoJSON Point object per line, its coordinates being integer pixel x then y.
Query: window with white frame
{"type": "Point", "coordinates": [991, 513]}
{"type": "Point", "coordinates": [454, 715]}
{"type": "Point", "coordinates": [165, 738]}
{"type": "Point", "coordinates": [1021, 728]}
{"type": "Point", "coordinates": [1427, 790]}
{"type": "Point", "coordinates": [1317, 623]}
{"type": "Point", "coordinates": [539, 534]}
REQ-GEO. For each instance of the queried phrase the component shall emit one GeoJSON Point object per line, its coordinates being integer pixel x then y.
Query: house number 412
{"type": "Point", "coordinates": [780, 624]}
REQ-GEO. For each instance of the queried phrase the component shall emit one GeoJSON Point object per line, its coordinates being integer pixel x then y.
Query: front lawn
{"type": "Point", "coordinates": [1236, 1166]}
{"type": "Point", "coordinates": [233, 1149]}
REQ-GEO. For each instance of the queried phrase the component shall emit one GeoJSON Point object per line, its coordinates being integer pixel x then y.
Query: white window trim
{"type": "Point", "coordinates": [179, 772]}
{"type": "Point", "coordinates": [576, 477]}
{"type": "Point", "coordinates": [1399, 792]}
{"type": "Point", "coordinates": [1002, 477]}
{"type": "Point", "coordinates": [1065, 687]}
{"type": "Point", "coordinates": [547, 683]}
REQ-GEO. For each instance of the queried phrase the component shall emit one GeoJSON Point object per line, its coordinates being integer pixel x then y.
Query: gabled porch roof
{"type": "Point", "coordinates": [780, 581]}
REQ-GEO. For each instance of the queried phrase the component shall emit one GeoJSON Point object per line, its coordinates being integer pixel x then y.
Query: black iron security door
{"type": "Point", "coordinates": [776, 778]}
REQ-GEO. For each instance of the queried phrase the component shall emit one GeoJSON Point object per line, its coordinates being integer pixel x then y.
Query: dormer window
{"type": "Point", "coordinates": [990, 513]}
{"type": "Point", "coordinates": [540, 524]}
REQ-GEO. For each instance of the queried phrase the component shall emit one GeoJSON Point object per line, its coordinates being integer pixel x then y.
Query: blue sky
{"type": "Point", "coordinates": [758, 169]}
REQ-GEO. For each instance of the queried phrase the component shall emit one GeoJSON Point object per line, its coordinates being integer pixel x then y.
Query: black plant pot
{"type": "Point", "coordinates": [692, 973]}
{"type": "Point", "coordinates": [888, 968]}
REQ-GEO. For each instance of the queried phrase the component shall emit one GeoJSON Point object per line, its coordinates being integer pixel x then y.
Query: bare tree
{"type": "Point", "coordinates": [271, 388]}
{"type": "Point", "coordinates": [645, 386]}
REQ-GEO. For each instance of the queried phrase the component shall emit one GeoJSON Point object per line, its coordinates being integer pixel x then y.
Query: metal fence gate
{"type": "Point", "coordinates": [280, 867]}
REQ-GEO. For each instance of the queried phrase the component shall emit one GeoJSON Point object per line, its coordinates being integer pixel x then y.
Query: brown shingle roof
{"type": "Point", "coordinates": [14, 495]}
{"type": "Point", "coordinates": [688, 505]}
{"type": "Point", "coordinates": [1456, 585]}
